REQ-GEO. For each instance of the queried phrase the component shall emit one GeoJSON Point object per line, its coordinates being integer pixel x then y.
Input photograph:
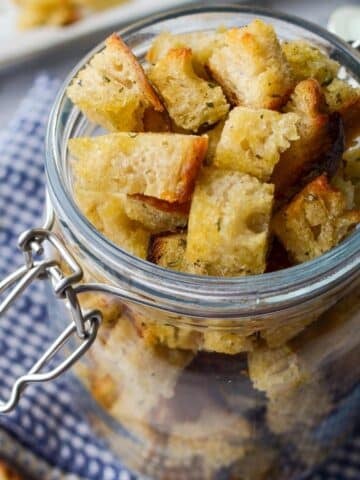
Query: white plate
{"type": "Point", "coordinates": [16, 45]}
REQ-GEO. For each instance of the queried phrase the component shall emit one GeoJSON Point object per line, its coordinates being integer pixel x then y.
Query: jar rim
{"type": "Point", "coordinates": [193, 294]}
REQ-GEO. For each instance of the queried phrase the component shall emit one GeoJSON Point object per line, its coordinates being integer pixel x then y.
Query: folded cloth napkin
{"type": "Point", "coordinates": [46, 435]}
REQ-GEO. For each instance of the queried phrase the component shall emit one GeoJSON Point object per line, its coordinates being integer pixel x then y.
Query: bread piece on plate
{"type": "Point", "coordinates": [106, 212]}
{"type": "Point", "coordinates": [251, 67]}
{"type": "Point", "coordinates": [201, 44]}
{"type": "Point", "coordinates": [308, 61]}
{"type": "Point", "coordinates": [318, 136]}
{"type": "Point", "coordinates": [35, 13]}
{"type": "Point", "coordinates": [315, 221]}
{"type": "Point", "coordinates": [160, 165]}
{"type": "Point", "coordinates": [112, 89]}
{"type": "Point", "coordinates": [253, 139]}
{"type": "Point", "coordinates": [228, 223]}
{"type": "Point", "coordinates": [191, 101]}
{"type": "Point", "coordinates": [343, 98]}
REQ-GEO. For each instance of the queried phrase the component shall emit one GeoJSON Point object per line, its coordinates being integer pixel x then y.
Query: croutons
{"type": "Point", "coordinates": [190, 100]}
{"type": "Point", "coordinates": [201, 44]}
{"type": "Point", "coordinates": [112, 90]}
{"type": "Point", "coordinates": [34, 13]}
{"type": "Point", "coordinates": [317, 136]}
{"type": "Point", "coordinates": [314, 221]}
{"type": "Point", "coordinates": [252, 140]}
{"type": "Point", "coordinates": [251, 67]}
{"type": "Point", "coordinates": [308, 61]}
{"type": "Point", "coordinates": [228, 223]}
{"type": "Point", "coordinates": [160, 165]}
{"type": "Point", "coordinates": [341, 97]}
{"type": "Point", "coordinates": [214, 136]}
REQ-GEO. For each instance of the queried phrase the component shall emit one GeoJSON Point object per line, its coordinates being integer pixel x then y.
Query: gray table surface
{"type": "Point", "coordinates": [14, 83]}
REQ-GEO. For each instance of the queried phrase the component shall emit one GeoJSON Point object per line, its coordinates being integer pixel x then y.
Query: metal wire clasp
{"type": "Point", "coordinates": [83, 326]}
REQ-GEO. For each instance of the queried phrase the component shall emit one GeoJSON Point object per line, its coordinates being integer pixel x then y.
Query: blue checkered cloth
{"type": "Point", "coordinates": [46, 435]}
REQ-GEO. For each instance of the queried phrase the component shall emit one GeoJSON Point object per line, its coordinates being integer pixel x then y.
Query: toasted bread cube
{"type": "Point", "coordinates": [315, 139]}
{"type": "Point", "coordinates": [251, 67]}
{"type": "Point", "coordinates": [314, 221]}
{"type": "Point", "coordinates": [346, 187]}
{"type": "Point", "coordinates": [201, 44]}
{"type": "Point", "coordinates": [214, 136]}
{"type": "Point", "coordinates": [98, 4]}
{"type": "Point", "coordinates": [307, 61]}
{"type": "Point", "coordinates": [169, 336]}
{"type": "Point", "coordinates": [252, 140]}
{"type": "Point", "coordinates": [352, 171]}
{"type": "Point", "coordinates": [112, 90]}
{"type": "Point", "coordinates": [106, 212]}
{"type": "Point", "coordinates": [228, 223]}
{"type": "Point", "coordinates": [341, 97]}
{"type": "Point", "coordinates": [156, 215]}
{"type": "Point", "coordinates": [35, 13]}
{"type": "Point", "coordinates": [190, 100]}
{"type": "Point", "coordinates": [168, 250]}
{"type": "Point", "coordinates": [160, 165]}
{"type": "Point", "coordinates": [230, 343]}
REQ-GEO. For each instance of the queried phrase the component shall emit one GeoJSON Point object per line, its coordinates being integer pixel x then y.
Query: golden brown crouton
{"type": "Point", "coordinates": [161, 165]}
{"type": "Point", "coordinates": [251, 67]}
{"type": "Point", "coordinates": [112, 90]}
{"type": "Point", "coordinates": [307, 61]}
{"type": "Point", "coordinates": [230, 343]}
{"type": "Point", "coordinates": [201, 44]}
{"type": "Point", "coordinates": [252, 140]}
{"type": "Point", "coordinates": [214, 136]}
{"type": "Point", "coordinates": [156, 215]}
{"type": "Point", "coordinates": [35, 13]}
{"type": "Point", "coordinates": [318, 136]}
{"type": "Point", "coordinates": [352, 171]}
{"type": "Point", "coordinates": [228, 223]}
{"type": "Point", "coordinates": [190, 100]}
{"type": "Point", "coordinates": [107, 214]}
{"type": "Point", "coordinates": [314, 221]}
{"type": "Point", "coordinates": [167, 250]}
{"type": "Point", "coordinates": [341, 97]}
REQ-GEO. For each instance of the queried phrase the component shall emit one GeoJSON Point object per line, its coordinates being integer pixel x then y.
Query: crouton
{"type": "Point", "coordinates": [168, 250]}
{"type": "Point", "coordinates": [107, 214]}
{"type": "Point", "coordinates": [315, 221]}
{"type": "Point", "coordinates": [229, 343]}
{"type": "Point", "coordinates": [35, 13]}
{"type": "Point", "coordinates": [160, 165]}
{"type": "Point", "coordinates": [352, 171]}
{"type": "Point", "coordinates": [201, 44]}
{"type": "Point", "coordinates": [156, 215]}
{"type": "Point", "coordinates": [341, 97]}
{"type": "Point", "coordinates": [307, 61]}
{"type": "Point", "coordinates": [251, 67]}
{"type": "Point", "coordinates": [98, 4]}
{"type": "Point", "coordinates": [214, 136]}
{"type": "Point", "coordinates": [228, 223]}
{"type": "Point", "coordinates": [112, 89]}
{"type": "Point", "coordinates": [190, 100]}
{"type": "Point", "coordinates": [319, 135]}
{"type": "Point", "coordinates": [339, 182]}
{"type": "Point", "coordinates": [252, 140]}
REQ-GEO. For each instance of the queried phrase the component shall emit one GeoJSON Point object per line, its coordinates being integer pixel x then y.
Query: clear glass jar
{"type": "Point", "coordinates": [212, 378]}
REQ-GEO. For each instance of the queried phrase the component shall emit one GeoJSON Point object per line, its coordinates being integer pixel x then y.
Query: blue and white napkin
{"type": "Point", "coordinates": [47, 435]}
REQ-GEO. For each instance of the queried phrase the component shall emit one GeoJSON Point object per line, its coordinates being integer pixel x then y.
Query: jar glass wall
{"type": "Point", "coordinates": [207, 378]}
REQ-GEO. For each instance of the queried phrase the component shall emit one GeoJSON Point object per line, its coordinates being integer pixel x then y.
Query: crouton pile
{"type": "Point", "coordinates": [37, 13]}
{"type": "Point", "coordinates": [221, 145]}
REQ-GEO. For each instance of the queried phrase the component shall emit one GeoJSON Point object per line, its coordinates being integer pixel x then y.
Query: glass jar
{"type": "Point", "coordinates": [211, 378]}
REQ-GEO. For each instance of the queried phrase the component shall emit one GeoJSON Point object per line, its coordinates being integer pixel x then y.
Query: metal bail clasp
{"type": "Point", "coordinates": [83, 326]}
